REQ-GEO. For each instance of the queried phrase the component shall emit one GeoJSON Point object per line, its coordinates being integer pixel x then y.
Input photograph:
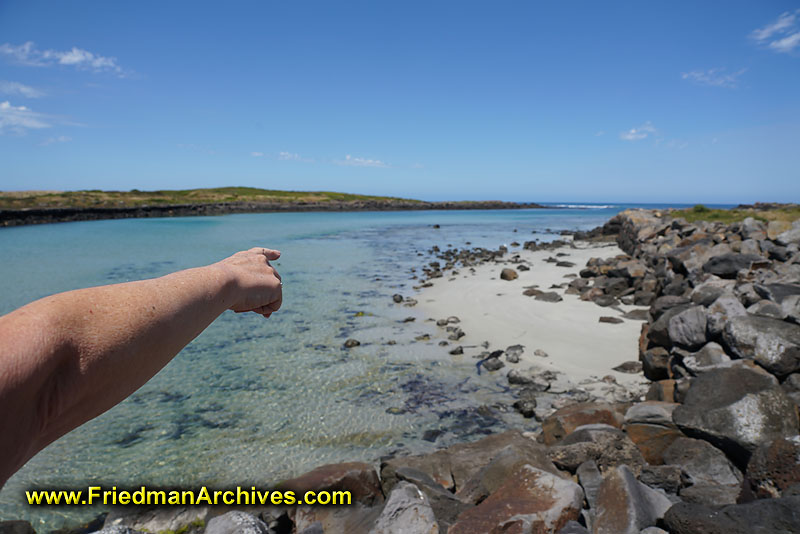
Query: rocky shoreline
{"type": "Point", "coordinates": [712, 444]}
{"type": "Point", "coordinates": [21, 217]}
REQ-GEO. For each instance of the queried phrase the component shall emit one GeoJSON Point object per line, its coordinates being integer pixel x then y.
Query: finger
{"type": "Point", "coordinates": [270, 254]}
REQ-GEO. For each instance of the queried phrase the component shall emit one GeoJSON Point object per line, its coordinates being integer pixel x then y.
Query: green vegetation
{"type": "Point", "coordinates": [702, 213]}
{"type": "Point", "coordinates": [134, 198]}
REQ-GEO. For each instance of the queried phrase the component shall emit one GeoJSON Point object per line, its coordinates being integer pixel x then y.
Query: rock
{"type": "Point", "coordinates": [728, 265]}
{"type": "Point", "coordinates": [767, 516]}
{"type": "Point", "coordinates": [710, 357]}
{"type": "Point", "coordinates": [573, 527]}
{"type": "Point", "coordinates": [173, 518]}
{"type": "Point", "coordinates": [526, 407]}
{"type": "Point", "coordinates": [774, 467]}
{"type": "Point", "coordinates": [446, 506]}
{"type": "Point", "coordinates": [492, 476]}
{"type": "Point", "coordinates": [456, 351]}
{"type": "Point", "coordinates": [791, 307]}
{"type": "Point", "coordinates": [750, 247]}
{"type": "Point", "coordinates": [630, 270]}
{"type": "Point", "coordinates": [652, 439]}
{"type": "Point", "coordinates": [659, 329]}
{"type": "Point", "coordinates": [773, 344]}
{"type": "Point", "coordinates": [359, 478]}
{"type": "Point", "coordinates": [625, 505]}
{"type": "Point", "coordinates": [651, 412]}
{"type": "Point", "coordinates": [712, 477]}
{"type": "Point", "coordinates": [110, 530]}
{"type": "Point", "coordinates": [350, 343]}
{"type": "Point", "coordinates": [789, 236]}
{"type": "Point", "coordinates": [454, 466]}
{"type": "Point", "coordinates": [637, 315]}
{"type": "Point", "coordinates": [565, 420]}
{"type": "Point", "coordinates": [687, 328]}
{"type": "Point", "coordinates": [662, 390]}
{"type": "Point", "coordinates": [736, 410]}
{"type": "Point", "coordinates": [508, 274]}
{"type": "Point", "coordinates": [777, 292]}
{"type": "Point", "coordinates": [16, 527]}
{"type": "Point", "coordinates": [721, 311]}
{"type": "Point", "coordinates": [236, 522]}
{"type": "Point", "coordinates": [705, 294]}
{"type": "Point", "coordinates": [513, 353]}
{"type": "Point", "coordinates": [607, 446]}
{"type": "Point", "coordinates": [653, 530]}
{"type": "Point", "coordinates": [753, 229]}
{"type": "Point", "coordinates": [746, 293]}
{"type": "Point", "coordinates": [540, 353]}
{"type": "Point", "coordinates": [407, 511]}
{"type": "Point", "coordinates": [605, 301]}
{"type": "Point", "coordinates": [531, 500]}
{"type": "Point", "coordinates": [767, 308]}
{"type": "Point", "coordinates": [550, 296]}
{"type": "Point", "coordinates": [665, 477]}
{"type": "Point", "coordinates": [493, 364]}
{"type": "Point", "coordinates": [565, 264]}
{"type": "Point", "coordinates": [655, 363]}
{"type": "Point", "coordinates": [662, 304]}
{"type": "Point", "coordinates": [610, 320]}
{"type": "Point", "coordinates": [590, 479]}
{"type": "Point", "coordinates": [397, 298]}
{"type": "Point", "coordinates": [775, 228]}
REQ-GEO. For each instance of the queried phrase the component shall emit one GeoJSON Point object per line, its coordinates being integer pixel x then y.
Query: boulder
{"type": "Point", "coordinates": [775, 228]}
{"type": "Point", "coordinates": [158, 519]}
{"type": "Point", "coordinates": [665, 477]}
{"type": "Point", "coordinates": [662, 390]}
{"type": "Point", "coordinates": [652, 439]}
{"type": "Point", "coordinates": [728, 265]}
{"type": "Point", "coordinates": [774, 467]}
{"type": "Point", "coordinates": [565, 420]}
{"type": "Point", "coordinates": [736, 410]}
{"type": "Point", "coordinates": [236, 522]}
{"type": "Point", "coordinates": [777, 292]}
{"type": "Point", "coordinates": [659, 329]}
{"type": "Point", "coordinates": [590, 478]}
{"type": "Point", "coordinates": [492, 476]}
{"type": "Point", "coordinates": [607, 446]}
{"type": "Point", "coordinates": [721, 311]}
{"type": "Point", "coordinates": [767, 516]}
{"type": "Point", "coordinates": [531, 500]}
{"type": "Point", "coordinates": [359, 478]}
{"type": "Point", "coordinates": [625, 505]}
{"type": "Point", "coordinates": [767, 308]}
{"type": "Point", "coordinates": [446, 506]}
{"type": "Point", "coordinates": [655, 363]}
{"type": "Point", "coordinates": [791, 307]}
{"type": "Point", "coordinates": [705, 294]}
{"type": "Point", "coordinates": [407, 511]}
{"type": "Point", "coordinates": [651, 412]}
{"type": "Point", "coordinates": [665, 303]}
{"type": "Point", "coordinates": [508, 274]}
{"type": "Point", "coordinates": [773, 344]}
{"type": "Point", "coordinates": [710, 357]}
{"type": "Point", "coordinates": [712, 477]}
{"type": "Point", "coordinates": [687, 329]}
{"type": "Point", "coordinates": [573, 527]}
{"type": "Point", "coordinates": [789, 236]}
{"type": "Point", "coordinates": [16, 527]}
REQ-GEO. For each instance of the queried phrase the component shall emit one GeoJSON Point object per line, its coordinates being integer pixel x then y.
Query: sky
{"type": "Point", "coordinates": [633, 101]}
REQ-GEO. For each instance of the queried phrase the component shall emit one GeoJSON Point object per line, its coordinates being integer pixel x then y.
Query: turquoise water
{"type": "Point", "coordinates": [254, 400]}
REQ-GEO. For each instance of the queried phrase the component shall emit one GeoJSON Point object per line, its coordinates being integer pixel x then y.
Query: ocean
{"type": "Point", "coordinates": [255, 401]}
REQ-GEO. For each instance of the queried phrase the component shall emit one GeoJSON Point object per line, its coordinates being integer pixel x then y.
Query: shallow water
{"type": "Point", "coordinates": [254, 400]}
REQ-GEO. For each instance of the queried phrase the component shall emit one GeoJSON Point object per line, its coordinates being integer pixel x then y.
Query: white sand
{"type": "Point", "coordinates": [496, 311]}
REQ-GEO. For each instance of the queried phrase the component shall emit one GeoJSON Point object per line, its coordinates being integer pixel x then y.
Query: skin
{"type": "Point", "coordinates": [69, 357]}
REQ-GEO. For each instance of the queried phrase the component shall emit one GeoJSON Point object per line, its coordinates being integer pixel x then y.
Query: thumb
{"type": "Point", "coordinates": [271, 254]}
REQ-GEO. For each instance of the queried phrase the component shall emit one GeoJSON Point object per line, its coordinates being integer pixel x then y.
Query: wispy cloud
{"type": "Point", "coordinates": [18, 89]}
{"type": "Point", "coordinates": [639, 133]}
{"type": "Point", "coordinates": [782, 35]}
{"type": "Point", "coordinates": [53, 140]}
{"type": "Point", "coordinates": [361, 162]}
{"type": "Point", "coordinates": [20, 119]}
{"type": "Point", "coordinates": [289, 156]}
{"type": "Point", "coordinates": [716, 77]}
{"type": "Point", "coordinates": [257, 154]}
{"type": "Point", "coordinates": [28, 54]}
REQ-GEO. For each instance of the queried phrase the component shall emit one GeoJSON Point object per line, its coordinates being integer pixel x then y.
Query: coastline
{"type": "Point", "coordinates": [29, 216]}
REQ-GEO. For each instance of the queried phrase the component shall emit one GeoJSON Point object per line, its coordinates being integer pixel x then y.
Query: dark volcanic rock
{"type": "Point", "coordinates": [16, 527]}
{"type": "Point", "coordinates": [610, 320]}
{"type": "Point", "coordinates": [721, 311]}
{"type": "Point", "coordinates": [360, 479]}
{"type": "Point", "coordinates": [607, 446]}
{"type": "Point", "coordinates": [655, 363]}
{"type": "Point", "coordinates": [736, 410]}
{"type": "Point", "coordinates": [688, 328]}
{"type": "Point", "coordinates": [775, 467]}
{"type": "Point", "coordinates": [407, 510]}
{"type": "Point", "coordinates": [565, 420]}
{"type": "Point", "coordinates": [350, 343]}
{"type": "Point", "coordinates": [625, 505]}
{"type": "Point", "coordinates": [727, 265]}
{"type": "Point", "coordinates": [768, 516]}
{"type": "Point", "coordinates": [774, 344]}
{"type": "Point", "coordinates": [659, 330]}
{"type": "Point", "coordinates": [712, 477]}
{"type": "Point", "coordinates": [446, 506]}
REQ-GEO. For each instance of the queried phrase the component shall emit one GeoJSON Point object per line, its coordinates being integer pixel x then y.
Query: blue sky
{"type": "Point", "coordinates": [580, 101]}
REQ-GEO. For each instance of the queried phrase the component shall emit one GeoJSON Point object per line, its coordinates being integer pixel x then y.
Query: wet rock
{"type": "Point", "coordinates": [236, 522]}
{"type": "Point", "coordinates": [767, 516]}
{"type": "Point", "coordinates": [508, 274]}
{"type": "Point", "coordinates": [493, 364]}
{"type": "Point", "coordinates": [728, 265]}
{"type": "Point", "coordinates": [531, 500]}
{"type": "Point", "coordinates": [721, 311]}
{"type": "Point", "coordinates": [773, 344]}
{"type": "Point", "coordinates": [605, 445]}
{"type": "Point", "coordinates": [350, 343]}
{"type": "Point", "coordinates": [610, 320]}
{"type": "Point", "coordinates": [359, 478]}
{"type": "Point", "coordinates": [456, 334]}
{"type": "Point", "coordinates": [712, 478]}
{"type": "Point", "coordinates": [110, 530]}
{"type": "Point", "coordinates": [458, 350]}
{"type": "Point", "coordinates": [407, 511]}
{"type": "Point", "coordinates": [517, 377]}
{"type": "Point", "coordinates": [687, 329]}
{"type": "Point", "coordinates": [655, 363]}
{"type": "Point", "coordinates": [397, 298]}
{"type": "Point", "coordinates": [774, 467]}
{"type": "Point", "coordinates": [565, 420]}
{"type": "Point", "coordinates": [737, 410]}
{"type": "Point", "coordinates": [625, 505]}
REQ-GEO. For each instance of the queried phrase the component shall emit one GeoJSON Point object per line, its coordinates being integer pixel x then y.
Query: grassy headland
{"type": "Point", "coordinates": [761, 212]}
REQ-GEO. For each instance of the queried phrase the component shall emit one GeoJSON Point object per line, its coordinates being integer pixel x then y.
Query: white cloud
{"type": "Point", "coordinates": [716, 77]}
{"type": "Point", "coordinates": [361, 162]}
{"type": "Point", "coordinates": [257, 154]}
{"type": "Point", "coordinates": [289, 156]}
{"type": "Point", "coordinates": [20, 119]}
{"type": "Point", "coordinates": [783, 35]}
{"type": "Point", "coordinates": [28, 54]}
{"type": "Point", "coordinates": [59, 139]}
{"type": "Point", "coordinates": [637, 134]}
{"type": "Point", "coordinates": [16, 88]}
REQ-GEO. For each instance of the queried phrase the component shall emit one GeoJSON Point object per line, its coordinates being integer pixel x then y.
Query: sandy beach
{"type": "Point", "coordinates": [495, 310]}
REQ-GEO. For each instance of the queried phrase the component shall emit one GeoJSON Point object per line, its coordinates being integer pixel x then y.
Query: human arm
{"type": "Point", "coordinates": [69, 357]}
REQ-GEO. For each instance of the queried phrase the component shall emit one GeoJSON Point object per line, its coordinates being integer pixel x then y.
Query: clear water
{"type": "Point", "coordinates": [254, 400]}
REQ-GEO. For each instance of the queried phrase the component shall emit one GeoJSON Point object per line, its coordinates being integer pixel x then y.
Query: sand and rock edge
{"type": "Point", "coordinates": [714, 447]}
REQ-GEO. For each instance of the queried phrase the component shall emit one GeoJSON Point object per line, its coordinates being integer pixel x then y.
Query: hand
{"type": "Point", "coordinates": [258, 284]}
